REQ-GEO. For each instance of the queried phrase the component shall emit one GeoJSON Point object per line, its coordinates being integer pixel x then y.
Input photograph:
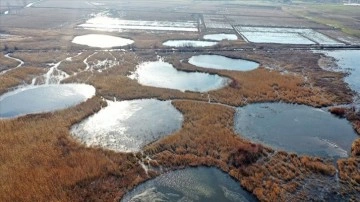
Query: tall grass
{"type": "Point", "coordinates": [40, 162]}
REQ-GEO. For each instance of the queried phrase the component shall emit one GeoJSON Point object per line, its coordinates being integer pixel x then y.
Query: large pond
{"type": "Point", "coordinates": [191, 184]}
{"type": "Point", "coordinates": [127, 126]}
{"type": "Point", "coordinates": [101, 41]}
{"type": "Point", "coordinates": [164, 75]}
{"type": "Point", "coordinates": [43, 98]}
{"type": "Point", "coordinates": [189, 43]}
{"type": "Point", "coordinates": [296, 128]}
{"type": "Point", "coordinates": [220, 37]}
{"type": "Point", "coordinates": [221, 62]}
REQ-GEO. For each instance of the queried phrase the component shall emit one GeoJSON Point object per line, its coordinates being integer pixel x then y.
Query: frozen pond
{"type": "Point", "coordinates": [222, 62]}
{"type": "Point", "coordinates": [101, 41]}
{"type": "Point", "coordinates": [43, 98]}
{"type": "Point", "coordinates": [285, 36]}
{"type": "Point", "coordinates": [189, 43]}
{"type": "Point", "coordinates": [105, 23]}
{"type": "Point", "coordinates": [220, 37]}
{"type": "Point", "coordinates": [190, 184]}
{"type": "Point", "coordinates": [164, 75]}
{"type": "Point", "coordinates": [296, 128]}
{"type": "Point", "coordinates": [127, 126]}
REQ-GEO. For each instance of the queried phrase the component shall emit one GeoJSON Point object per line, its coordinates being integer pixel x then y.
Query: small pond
{"type": "Point", "coordinates": [127, 126]}
{"type": "Point", "coordinates": [189, 43]}
{"type": "Point", "coordinates": [220, 37]}
{"type": "Point", "coordinates": [221, 62]}
{"type": "Point", "coordinates": [296, 128]}
{"type": "Point", "coordinates": [101, 41]}
{"type": "Point", "coordinates": [190, 184]}
{"type": "Point", "coordinates": [164, 75]}
{"type": "Point", "coordinates": [43, 98]}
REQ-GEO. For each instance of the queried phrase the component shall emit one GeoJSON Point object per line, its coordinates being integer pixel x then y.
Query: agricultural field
{"type": "Point", "coordinates": [189, 100]}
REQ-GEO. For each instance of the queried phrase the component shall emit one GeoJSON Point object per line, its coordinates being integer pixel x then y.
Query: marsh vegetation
{"type": "Point", "coordinates": [179, 76]}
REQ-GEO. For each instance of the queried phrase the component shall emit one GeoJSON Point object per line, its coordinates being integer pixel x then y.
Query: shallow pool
{"type": "Point", "coordinates": [101, 41]}
{"type": "Point", "coordinates": [190, 184]}
{"type": "Point", "coordinates": [220, 37]}
{"type": "Point", "coordinates": [127, 126]}
{"type": "Point", "coordinates": [189, 43]}
{"type": "Point", "coordinates": [164, 75]}
{"type": "Point", "coordinates": [43, 98]}
{"type": "Point", "coordinates": [296, 128]}
{"type": "Point", "coordinates": [222, 62]}
{"type": "Point", "coordinates": [348, 60]}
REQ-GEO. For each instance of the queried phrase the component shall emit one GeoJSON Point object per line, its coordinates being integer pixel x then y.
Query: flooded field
{"type": "Point", "coordinates": [285, 36]}
{"type": "Point", "coordinates": [44, 98]}
{"type": "Point", "coordinates": [191, 184]}
{"type": "Point", "coordinates": [221, 62]}
{"type": "Point", "coordinates": [106, 23]}
{"type": "Point", "coordinates": [101, 41]}
{"type": "Point", "coordinates": [189, 43]}
{"type": "Point", "coordinates": [296, 128]}
{"type": "Point", "coordinates": [164, 75]}
{"type": "Point", "coordinates": [127, 126]}
{"type": "Point", "coordinates": [220, 37]}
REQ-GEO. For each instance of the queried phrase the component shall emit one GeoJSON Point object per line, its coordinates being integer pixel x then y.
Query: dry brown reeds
{"type": "Point", "coordinates": [349, 171]}
{"type": "Point", "coordinates": [40, 162]}
{"type": "Point", "coordinates": [7, 63]}
{"type": "Point", "coordinates": [18, 76]}
{"type": "Point", "coordinates": [260, 85]}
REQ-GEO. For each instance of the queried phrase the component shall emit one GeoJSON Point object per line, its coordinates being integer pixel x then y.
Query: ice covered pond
{"type": "Point", "coordinates": [43, 98]}
{"type": "Point", "coordinates": [189, 43]}
{"type": "Point", "coordinates": [284, 36]}
{"type": "Point", "coordinates": [101, 41]}
{"type": "Point", "coordinates": [222, 62]}
{"type": "Point", "coordinates": [220, 37]}
{"type": "Point", "coordinates": [190, 184]}
{"type": "Point", "coordinates": [164, 75]}
{"type": "Point", "coordinates": [127, 126]}
{"type": "Point", "coordinates": [295, 128]}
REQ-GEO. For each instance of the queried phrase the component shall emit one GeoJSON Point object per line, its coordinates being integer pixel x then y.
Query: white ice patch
{"type": "Point", "coordinates": [220, 37]}
{"type": "Point", "coordinates": [101, 41]}
{"type": "Point", "coordinates": [189, 43]}
{"type": "Point", "coordinates": [105, 23]}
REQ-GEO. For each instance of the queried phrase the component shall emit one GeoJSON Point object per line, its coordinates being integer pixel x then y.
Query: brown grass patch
{"type": "Point", "coordinates": [355, 148]}
{"type": "Point", "coordinates": [349, 171]}
{"type": "Point", "coordinates": [18, 76]}
{"type": "Point", "coordinates": [40, 162]}
{"type": "Point", "coordinates": [7, 63]}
